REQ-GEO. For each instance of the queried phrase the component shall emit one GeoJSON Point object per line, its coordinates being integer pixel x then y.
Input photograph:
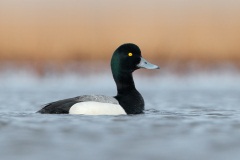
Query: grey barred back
{"type": "Point", "coordinates": [97, 98]}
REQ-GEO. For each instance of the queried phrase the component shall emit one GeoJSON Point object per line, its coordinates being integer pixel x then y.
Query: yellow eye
{"type": "Point", "coordinates": [130, 54]}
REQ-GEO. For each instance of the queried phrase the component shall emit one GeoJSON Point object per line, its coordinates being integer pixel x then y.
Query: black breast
{"type": "Point", "coordinates": [131, 101]}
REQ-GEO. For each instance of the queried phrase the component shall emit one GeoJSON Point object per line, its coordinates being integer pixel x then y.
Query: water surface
{"type": "Point", "coordinates": [188, 117]}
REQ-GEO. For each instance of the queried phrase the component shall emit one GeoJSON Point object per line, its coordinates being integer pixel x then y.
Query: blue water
{"type": "Point", "coordinates": [194, 116]}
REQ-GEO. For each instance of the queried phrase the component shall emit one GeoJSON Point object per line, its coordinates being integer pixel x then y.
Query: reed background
{"type": "Point", "coordinates": [202, 31]}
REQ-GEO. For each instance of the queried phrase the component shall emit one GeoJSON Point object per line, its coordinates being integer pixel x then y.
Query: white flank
{"type": "Point", "coordinates": [96, 108]}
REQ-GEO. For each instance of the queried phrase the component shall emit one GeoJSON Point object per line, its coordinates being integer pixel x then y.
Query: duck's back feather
{"type": "Point", "coordinates": [63, 106]}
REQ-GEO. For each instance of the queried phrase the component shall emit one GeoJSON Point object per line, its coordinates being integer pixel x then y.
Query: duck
{"type": "Point", "coordinates": [125, 60]}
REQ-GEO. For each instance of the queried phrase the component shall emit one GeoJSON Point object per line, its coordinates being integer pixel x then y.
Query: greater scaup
{"type": "Point", "coordinates": [125, 60]}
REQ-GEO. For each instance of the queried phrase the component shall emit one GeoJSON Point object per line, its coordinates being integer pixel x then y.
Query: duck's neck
{"type": "Point", "coordinates": [124, 82]}
{"type": "Point", "coordinates": [128, 97]}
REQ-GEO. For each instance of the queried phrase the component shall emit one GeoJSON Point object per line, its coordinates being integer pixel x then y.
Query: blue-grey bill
{"type": "Point", "coordinates": [145, 64]}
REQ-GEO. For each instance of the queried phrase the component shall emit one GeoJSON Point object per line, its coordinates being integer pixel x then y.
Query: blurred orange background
{"type": "Point", "coordinates": [165, 30]}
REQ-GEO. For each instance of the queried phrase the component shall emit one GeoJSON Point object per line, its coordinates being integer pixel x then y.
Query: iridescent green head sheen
{"type": "Point", "coordinates": [127, 58]}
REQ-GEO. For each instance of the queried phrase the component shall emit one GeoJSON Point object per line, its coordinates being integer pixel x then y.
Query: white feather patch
{"type": "Point", "coordinates": [96, 108]}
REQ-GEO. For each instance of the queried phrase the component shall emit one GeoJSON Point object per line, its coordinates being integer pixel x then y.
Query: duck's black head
{"type": "Point", "coordinates": [127, 58]}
